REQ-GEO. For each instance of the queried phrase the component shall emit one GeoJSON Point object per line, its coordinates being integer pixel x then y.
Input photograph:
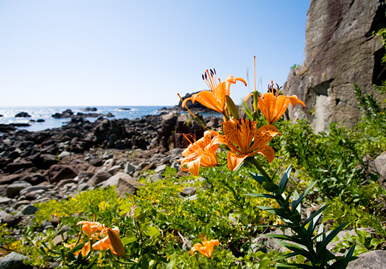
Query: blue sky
{"type": "Point", "coordinates": [123, 52]}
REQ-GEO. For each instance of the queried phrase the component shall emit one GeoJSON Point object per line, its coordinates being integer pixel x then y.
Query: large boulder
{"type": "Point", "coordinates": [341, 50]}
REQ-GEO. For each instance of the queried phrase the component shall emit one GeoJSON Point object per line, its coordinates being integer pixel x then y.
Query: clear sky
{"type": "Point", "coordinates": [125, 52]}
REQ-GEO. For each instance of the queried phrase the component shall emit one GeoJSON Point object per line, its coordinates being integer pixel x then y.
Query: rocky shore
{"type": "Point", "coordinates": [57, 163]}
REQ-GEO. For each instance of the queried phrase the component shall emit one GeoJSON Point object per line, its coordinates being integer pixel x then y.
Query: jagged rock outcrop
{"type": "Point", "coordinates": [340, 50]}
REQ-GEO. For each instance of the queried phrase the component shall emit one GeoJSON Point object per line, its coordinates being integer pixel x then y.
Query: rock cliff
{"type": "Point", "coordinates": [341, 50]}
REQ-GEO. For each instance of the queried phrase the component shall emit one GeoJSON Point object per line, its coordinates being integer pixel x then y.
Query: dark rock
{"type": "Point", "coordinates": [65, 114]}
{"type": "Point", "coordinates": [23, 115]}
{"type": "Point", "coordinates": [40, 120]}
{"type": "Point", "coordinates": [65, 172]}
{"type": "Point", "coordinates": [110, 115]}
{"type": "Point", "coordinates": [15, 188]}
{"type": "Point", "coordinates": [10, 220]}
{"type": "Point", "coordinates": [29, 210]}
{"type": "Point", "coordinates": [35, 178]}
{"type": "Point", "coordinates": [84, 176]}
{"type": "Point", "coordinates": [88, 109]}
{"type": "Point", "coordinates": [16, 166]}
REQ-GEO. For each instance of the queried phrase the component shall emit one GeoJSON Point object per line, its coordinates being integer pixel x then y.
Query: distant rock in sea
{"type": "Point", "coordinates": [123, 109]}
{"type": "Point", "coordinates": [65, 114]}
{"type": "Point", "coordinates": [23, 115]}
{"type": "Point", "coordinates": [89, 109]}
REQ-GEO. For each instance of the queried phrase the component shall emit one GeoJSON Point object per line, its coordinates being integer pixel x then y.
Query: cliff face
{"type": "Point", "coordinates": [340, 50]}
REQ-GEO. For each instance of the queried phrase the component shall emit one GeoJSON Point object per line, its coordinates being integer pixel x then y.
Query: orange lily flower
{"type": "Point", "coordinates": [200, 153]}
{"type": "Point", "coordinates": [206, 248]}
{"type": "Point", "coordinates": [273, 105]}
{"type": "Point", "coordinates": [90, 227]}
{"type": "Point", "coordinates": [112, 242]}
{"type": "Point", "coordinates": [214, 98]}
{"type": "Point", "coordinates": [95, 229]}
{"type": "Point", "coordinates": [245, 140]}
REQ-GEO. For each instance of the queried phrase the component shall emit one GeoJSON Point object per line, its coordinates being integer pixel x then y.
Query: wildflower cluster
{"type": "Point", "coordinates": [242, 137]}
{"type": "Point", "coordinates": [94, 232]}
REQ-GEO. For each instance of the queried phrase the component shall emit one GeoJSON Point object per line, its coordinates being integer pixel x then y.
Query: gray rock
{"type": "Point", "coordinates": [129, 168]}
{"type": "Point", "coordinates": [109, 163]}
{"type": "Point", "coordinates": [176, 153]}
{"type": "Point", "coordinates": [339, 52]}
{"type": "Point", "coordinates": [82, 187]}
{"type": "Point", "coordinates": [156, 177]}
{"type": "Point", "coordinates": [15, 188]}
{"type": "Point", "coordinates": [9, 219]}
{"type": "Point", "coordinates": [191, 198]}
{"type": "Point", "coordinates": [39, 188]}
{"type": "Point", "coordinates": [188, 191]}
{"type": "Point", "coordinates": [370, 260]}
{"type": "Point", "coordinates": [98, 178]}
{"type": "Point", "coordinates": [4, 200]}
{"type": "Point", "coordinates": [114, 169]}
{"type": "Point", "coordinates": [113, 181]}
{"type": "Point", "coordinates": [64, 154]}
{"type": "Point", "coordinates": [176, 165]}
{"type": "Point", "coordinates": [85, 176]}
{"type": "Point", "coordinates": [160, 169]}
{"type": "Point", "coordinates": [13, 261]}
{"type": "Point", "coordinates": [380, 164]}
{"type": "Point", "coordinates": [126, 186]}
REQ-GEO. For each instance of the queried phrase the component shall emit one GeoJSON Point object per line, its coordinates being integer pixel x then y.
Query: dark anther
{"type": "Point", "coordinates": [206, 77]}
{"type": "Point", "coordinates": [203, 77]}
{"type": "Point", "coordinates": [211, 73]}
{"type": "Point", "coordinates": [214, 71]}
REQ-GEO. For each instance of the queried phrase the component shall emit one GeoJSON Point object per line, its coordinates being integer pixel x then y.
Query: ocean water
{"type": "Point", "coordinates": [45, 113]}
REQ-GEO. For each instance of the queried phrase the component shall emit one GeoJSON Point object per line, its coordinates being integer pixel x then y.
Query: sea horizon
{"type": "Point", "coordinates": [45, 113]}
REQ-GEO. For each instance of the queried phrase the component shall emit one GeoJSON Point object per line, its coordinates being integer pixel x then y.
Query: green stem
{"type": "Point", "coordinates": [260, 168]}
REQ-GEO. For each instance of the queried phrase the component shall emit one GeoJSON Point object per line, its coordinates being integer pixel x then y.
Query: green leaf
{"type": "Point", "coordinates": [232, 107]}
{"type": "Point", "coordinates": [152, 231]}
{"type": "Point", "coordinates": [315, 214]}
{"type": "Point", "coordinates": [324, 243]}
{"type": "Point", "coordinates": [145, 262]}
{"type": "Point", "coordinates": [172, 261]}
{"type": "Point", "coordinates": [269, 186]}
{"type": "Point", "coordinates": [264, 263]}
{"type": "Point", "coordinates": [277, 211]}
{"type": "Point", "coordinates": [77, 247]}
{"type": "Point", "coordinates": [284, 179]}
{"type": "Point", "coordinates": [297, 202]}
{"type": "Point", "coordinates": [259, 178]}
{"type": "Point", "coordinates": [261, 195]}
{"type": "Point", "coordinates": [350, 252]}
{"type": "Point", "coordinates": [248, 111]}
{"type": "Point", "coordinates": [128, 240]}
{"type": "Point", "coordinates": [296, 249]}
{"type": "Point", "coordinates": [293, 265]}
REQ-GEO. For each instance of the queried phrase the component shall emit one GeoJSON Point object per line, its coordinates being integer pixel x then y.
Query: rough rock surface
{"type": "Point", "coordinates": [340, 50]}
{"type": "Point", "coordinates": [369, 260]}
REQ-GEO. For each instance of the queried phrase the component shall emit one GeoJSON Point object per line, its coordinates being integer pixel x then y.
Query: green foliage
{"type": "Point", "coordinates": [363, 240]}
